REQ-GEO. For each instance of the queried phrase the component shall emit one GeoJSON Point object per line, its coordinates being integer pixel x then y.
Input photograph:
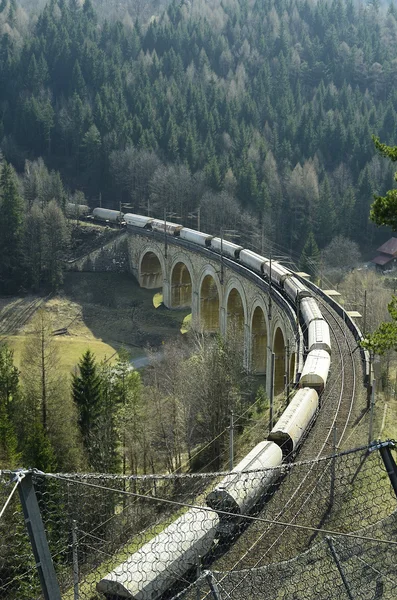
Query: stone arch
{"type": "Point", "coordinates": [235, 304]}
{"type": "Point", "coordinates": [259, 333]}
{"type": "Point", "coordinates": [279, 356]}
{"type": "Point", "coordinates": [209, 300]}
{"type": "Point", "coordinates": [151, 269]}
{"type": "Point", "coordinates": [181, 283]}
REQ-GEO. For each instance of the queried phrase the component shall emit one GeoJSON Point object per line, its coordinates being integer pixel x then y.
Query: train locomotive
{"type": "Point", "coordinates": [242, 488]}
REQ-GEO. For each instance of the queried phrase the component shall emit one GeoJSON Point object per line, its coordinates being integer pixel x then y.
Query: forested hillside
{"type": "Point", "coordinates": [266, 105]}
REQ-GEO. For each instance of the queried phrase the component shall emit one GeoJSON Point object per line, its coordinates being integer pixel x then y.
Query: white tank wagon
{"type": "Point", "coordinates": [295, 421]}
{"type": "Point", "coordinates": [138, 220]}
{"type": "Point", "coordinates": [315, 370]}
{"type": "Point", "coordinates": [319, 336]}
{"type": "Point", "coordinates": [309, 310]}
{"type": "Point", "coordinates": [277, 273]}
{"type": "Point", "coordinates": [243, 487]}
{"type": "Point", "coordinates": [73, 210]}
{"type": "Point", "coordinates": [148, 573]}
{"type": "Point", "coordinates": [170, 228]}
{"type": "Point", "coordinates": [295, 290]}
{"type": "Point", "coordinates": [252, 260]}
{"type": "Point", "coordinates": [227, 248]}
{"type": "Point", "coordinates": [105, 214]}
{"type": "Point", "coordinates": [196, 237]}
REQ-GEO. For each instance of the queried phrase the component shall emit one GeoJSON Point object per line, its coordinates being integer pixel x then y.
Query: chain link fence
{"type": "Point", "coordinates": [315, 529]}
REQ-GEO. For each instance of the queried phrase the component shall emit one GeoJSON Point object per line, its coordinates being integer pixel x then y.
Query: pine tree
{"type": "Point", "coordinates": [384, 209]}
{"type": "Point", "coordinates": [86, 390]}
{"type": "Point", "coordinates": [11, 206]}
{"type": "Point", "coordinates": [310, 256]}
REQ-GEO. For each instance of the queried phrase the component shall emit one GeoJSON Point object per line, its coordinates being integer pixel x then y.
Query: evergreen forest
{"type": "Point", "coordinates": [259, 112]}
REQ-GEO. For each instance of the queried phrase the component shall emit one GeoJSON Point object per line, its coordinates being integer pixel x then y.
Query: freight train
{"type": "Point", "coordinates": [148, 573]}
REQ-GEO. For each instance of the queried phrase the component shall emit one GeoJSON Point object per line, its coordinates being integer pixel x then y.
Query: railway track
{"type": "Point", "coordinates": [261, 543]}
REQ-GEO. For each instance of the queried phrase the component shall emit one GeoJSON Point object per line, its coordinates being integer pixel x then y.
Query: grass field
{"type": "Point", "coordinates": [100, 311]}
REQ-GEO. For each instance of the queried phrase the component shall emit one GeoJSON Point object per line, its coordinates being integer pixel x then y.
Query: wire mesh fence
{"type": "Point", "coordinates": [316, 529]}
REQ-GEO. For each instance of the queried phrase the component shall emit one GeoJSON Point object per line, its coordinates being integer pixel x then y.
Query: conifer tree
{"type": "Point", "coordinates": [384, 209]}
{"type": "Point", "coordinates": [310, 256]}
{"type": "Point", "coordinates": [11, 206]}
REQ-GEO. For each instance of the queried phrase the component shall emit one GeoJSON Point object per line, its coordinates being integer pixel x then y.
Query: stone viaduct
{"type": "Point", "coordinates": [221, 294]}
{"type": "Point", "coordinates": [221, 299]}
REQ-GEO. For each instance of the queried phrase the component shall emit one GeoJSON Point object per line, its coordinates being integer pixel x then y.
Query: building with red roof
{"type": "Point", "coordinates": [387, 256]}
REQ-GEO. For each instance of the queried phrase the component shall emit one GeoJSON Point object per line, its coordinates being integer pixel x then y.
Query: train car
{"type": "Point", "coordinates": [148, 573]}
{"type": "Point", "coordinates": [138, 220]}
{"type": "Point", "coordinates": [278, 273]}
{"type": "Point", "coordinates": [295, 421]}
{"type": "Point", "coordinates": [228, 248]}
{"type": "Point", "coordinates": [319, 336]}
{"type": "Point", "coordinates": [105, 214]}
{"type": "Point", "coordinates": [315, 370]}
{"type": "Point", "coordinates": [295, 290]}
{"type": "Point", "coordinates": [309, 310]}
{"type": "Point", "coordinates": [170, 228]}
{"type": "Point", "coordinates": [197, 237]}
{"type": "Point", "coordinates": [74, 211]}
{"type": "Point", "coordinates": [240, 490]}
{"type": "Point", "coordinates": [252, 260]}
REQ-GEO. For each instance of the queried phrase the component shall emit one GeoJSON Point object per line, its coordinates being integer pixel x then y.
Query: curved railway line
{"type": "Point", "coordinates": [296, 492]}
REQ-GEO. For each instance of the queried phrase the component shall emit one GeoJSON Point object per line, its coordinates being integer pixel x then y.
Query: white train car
{"type": "Point", "coordinates": [138, 220]}
{"type": "Point", "coordinates": [170, 228]}
{"type": "Point", "coordinates": [105, 214]}
{"type": "Point", "coordinates": [315, 370]}
{"type": "Point", "coordinates": [252, 260]}
{"type": "Point", "coordinates": [240, 490]}
{"type": "Point", "coordinates": [197, 237]}
{"type": "Point", "coordinates": [277, 273]}
{"type": "Point", "coordinates": [74, 210]}
{"type": "Point", "coordinates": [227, 248]}
{"type": "Point", "coordinates": [295, 289]}
{"type": "Point", "coordinates": [295, 421]}
{"type": "Point", "coordinates": [319, 336]}
{"type": "Point", "coordinates": [309, 310]}
{"type": "Point", "coordinates": [148, 573]}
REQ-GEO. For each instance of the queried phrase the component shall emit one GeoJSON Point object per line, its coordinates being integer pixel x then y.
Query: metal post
{"type": "Point", "coordinates": [333, 465]}
{"type": "Point", "coordinates": [339, 566]}
{"type": "Point", "coordinates": [222, 267]}
{"type": "Point", "coordinates": [198, 575]}
{"type": "Point", "coordinates": [273, 357]}
{"type": "Point", "coordinates": [38, 540]}
{"type": "Point", "coordinates": [75, 561]}
{"type": "Point", "coordinates": [270, 288]}
{"type": "Point", "coordinates": [287, 373]}
{"type": "Point", "coordinates": [365, 313]}
{"type": "Point", "coordinates": [231, 441]}
{"type": "Point", "coordinates": [390, 465]}
{"type": "Point", "coordinates": [213, 585]}
{"type": "Point", "coordinates": [198, 218]}
{"type": "Point", "coordinates": [165, 233]}
{"type": "Point", "coordinates": [371, 414]}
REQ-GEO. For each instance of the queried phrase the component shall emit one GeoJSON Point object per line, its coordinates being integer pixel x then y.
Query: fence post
{"type": "Point", "coordinates": [271, 391]}
{"type": "Point", "coordinates": [231, 441]}
{"type": "Point", "coordinates": [333, 467]}
{"type": "Point", "coordinates": [339, 566]}
{"type": "Point", "coordinates": [198, 575]}
{"type": "Point", "coordinates": [213, 585]}
{"type": "Point", "coordinates": [390, 465]}
{"type": "Point", "coordinates": [75, 561]}
{"type": "Point", "coordinates": [38, 539]}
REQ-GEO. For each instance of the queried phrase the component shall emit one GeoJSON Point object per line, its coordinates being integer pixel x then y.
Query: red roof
{"type": "Point", "coordinates": [382, 260]}
{"type": "Point", "coordinates": [389, 247]}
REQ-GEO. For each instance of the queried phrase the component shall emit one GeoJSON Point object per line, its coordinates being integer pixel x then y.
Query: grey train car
{"type": "Point", "coordinates": [240, 490]}
{"type": "Point", "coordinates": [319, 336]}
{"type": "Point", "coordinates": [227, 248]}
{"type": "Point", "coordinates": [315, 370]}
{"type": "Point", "coordinates": [105, 214]}
{"type": "Point", "coordinates": [148, 573]}
{"type": "Point", "coordinates": [196, 237]}
{"type": "Point", "coordinates": [292, 426]}
{"type": "Point", "coordinates": [138, 220]}
{"type": "Point", "coordinates": [252, 260]}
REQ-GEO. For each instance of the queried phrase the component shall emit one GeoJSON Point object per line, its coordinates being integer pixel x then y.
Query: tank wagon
{"type": "Point", "coordinates": [291, 428]}
{"type": "Point", "coordinates": [148, 573]}
{"type": "Point", "coordinates": [105, 214]}
{"type": "Point", "coordinates": [240, 490]}
{"type": "Point", "coordinates": [73, 210]}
